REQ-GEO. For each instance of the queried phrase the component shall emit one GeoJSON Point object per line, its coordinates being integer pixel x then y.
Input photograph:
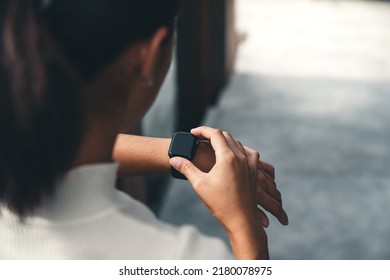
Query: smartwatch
{"type": "Point", "coordinates": [184, 145]}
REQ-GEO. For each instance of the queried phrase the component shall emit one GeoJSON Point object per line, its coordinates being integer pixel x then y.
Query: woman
{"type": "Point", "coordinates": [73, 74]}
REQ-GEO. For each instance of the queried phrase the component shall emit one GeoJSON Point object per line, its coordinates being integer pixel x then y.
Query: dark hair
{"type": "Point", "coordinates": [46, 53]}
{"type": "Point", "coordinates": [94, 32]}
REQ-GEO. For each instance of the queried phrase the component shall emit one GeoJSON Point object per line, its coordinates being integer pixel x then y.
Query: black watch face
{"type": "Point", "coordinates": [183, 145]}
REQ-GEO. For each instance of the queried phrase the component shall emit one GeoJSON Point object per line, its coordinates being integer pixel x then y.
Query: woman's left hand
{"type": "Point", "coordinates": [268, 196]}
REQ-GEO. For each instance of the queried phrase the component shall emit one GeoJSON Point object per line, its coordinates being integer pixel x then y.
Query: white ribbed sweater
{"type": "Point", "coordinates": [88, 219]}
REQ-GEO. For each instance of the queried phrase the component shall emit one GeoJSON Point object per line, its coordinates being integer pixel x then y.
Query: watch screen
{"type": "Point", "coordinates": [183, 145]}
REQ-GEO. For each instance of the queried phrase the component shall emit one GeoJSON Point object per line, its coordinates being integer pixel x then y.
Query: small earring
{"type": "Point", "coordinates": [149, 83]}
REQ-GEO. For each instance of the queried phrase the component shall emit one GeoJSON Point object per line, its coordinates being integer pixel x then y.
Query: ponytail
{"type": "Point", "coordinates": [40, 108]}
{"type": "Point", "coordinates": [42, 68]}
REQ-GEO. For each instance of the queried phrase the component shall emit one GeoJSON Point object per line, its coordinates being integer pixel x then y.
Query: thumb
{"type": "Point", "coordinates": [186, 167]}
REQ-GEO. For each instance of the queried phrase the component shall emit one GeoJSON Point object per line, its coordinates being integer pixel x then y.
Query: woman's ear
{"type": "Point", "coordinates": [150, 52]}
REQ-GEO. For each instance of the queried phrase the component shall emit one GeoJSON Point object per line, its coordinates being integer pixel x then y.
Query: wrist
{"type": "Point", "coordinates": [247, 237]}
{"type": "Point", "coordinates": [139, 155]}
{"type": "Point", "coordinates": [249, 243]}
{"type": "Point", "coordinates": [204, 157]}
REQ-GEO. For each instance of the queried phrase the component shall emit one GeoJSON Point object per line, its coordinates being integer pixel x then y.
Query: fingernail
{"type": "Point", "coordinates": [175, 162]}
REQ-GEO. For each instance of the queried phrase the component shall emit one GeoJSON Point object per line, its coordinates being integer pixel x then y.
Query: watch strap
{"type": "Point", "coordinates": [176, 174]}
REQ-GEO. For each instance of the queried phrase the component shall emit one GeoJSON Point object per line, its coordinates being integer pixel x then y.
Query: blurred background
{"type": "Point", "coordinates": [306, 83]}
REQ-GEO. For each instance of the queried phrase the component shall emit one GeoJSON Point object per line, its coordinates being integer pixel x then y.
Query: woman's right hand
{"type": "Point", "coordinates": [269, 197]}
{"type": "Point", "coordinates": [229, 191]}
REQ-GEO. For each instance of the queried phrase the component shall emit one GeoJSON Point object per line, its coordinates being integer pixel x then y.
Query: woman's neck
{"type": "Point", "coordinates": [98, 143]}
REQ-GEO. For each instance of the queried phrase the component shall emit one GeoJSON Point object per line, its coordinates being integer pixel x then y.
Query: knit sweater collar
{"type": "Point", "coordinates": [84, 191]}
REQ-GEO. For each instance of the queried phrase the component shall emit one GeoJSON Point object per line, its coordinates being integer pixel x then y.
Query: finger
{"type": "Point", "coordinates": [273, 191]}
{"type": "Point", "coordinates": [268, 168]}
{"type": "Point", "coordinates": [266, 175]}
{"type": "Point", "coordinates": [267, 185]}
{"type": "Point", "coordinates": [203, 131]}
{"type": "Point", "coordinates": [252, 157]}
{"type": "Point", "coordinates": [270, 185]}
{"type": "Point", "coordinates": [274, 207]}
{"type": "Point", "coordinates": [249, 151]}
{"type": "Point", "coordinates": [240, 146]}
{"type": "Point", "coordinates": [236, 148]}
{"type": "Point", "coordinates": [187, 168]}
{"type": "Point", "coordinates": [270, 198]}
{"type": "Point", "coordinates": [263, 217]}
{"type": "Point", "coordinates": [216, 137]}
